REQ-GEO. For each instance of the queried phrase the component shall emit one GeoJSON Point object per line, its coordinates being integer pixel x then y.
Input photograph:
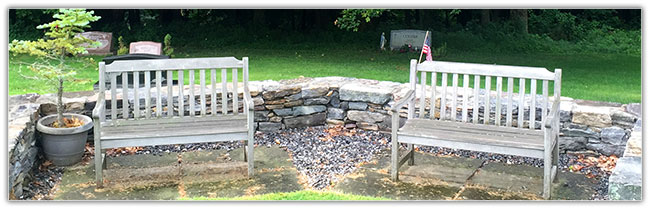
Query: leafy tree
{"type": "Point", "coordinates": [51, 53]}
{"type": "Point", "coordinates": [351, 18]}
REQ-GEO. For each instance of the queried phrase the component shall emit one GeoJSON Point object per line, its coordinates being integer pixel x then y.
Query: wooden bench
{"type": "Point", "coordinates": [193, 117]}
{"type": "Point", "coordinates": [456, 123]}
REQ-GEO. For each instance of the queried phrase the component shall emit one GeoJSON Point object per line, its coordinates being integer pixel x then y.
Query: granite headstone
{"type": "Point", "coordinates": [104, 38]}
{"type": "Point", "coordinates": [145, 47]}
{"type": "Point", "coordinates": [399, 38]}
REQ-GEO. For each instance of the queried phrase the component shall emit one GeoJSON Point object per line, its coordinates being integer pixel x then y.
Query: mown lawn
{"type": "Point", "coordinates": [603, 77]}
{"type": "Point", "coordinates": [298, 195]}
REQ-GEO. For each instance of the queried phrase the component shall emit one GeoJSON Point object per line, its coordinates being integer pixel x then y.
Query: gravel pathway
{"type": "Point", "coordinates": [324, 156]}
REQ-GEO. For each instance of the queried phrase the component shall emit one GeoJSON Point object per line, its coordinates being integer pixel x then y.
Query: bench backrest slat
{"type": "Point", "coordinates": [499, 89]}
{"type": "Point", "coordinates": [125, 90]}
{"type": "Point", "coordinates": [545, 105]}
{"type": "Point", "coordinates": [224, 91]}
{"type": "Point", "coordinates": [434, 83]}
{"type": "Point", "coordinates": [486, 109]}
{"type": "Point", "coordinates": [202, 95]}
{"type": "Point", "coordinates": [169, 102]}
{"type": "Point", "coordinates": [532, 109]}
{"type": "Point", "coordinates": [477, 87]}
{"type": "Point", "coordinates": [192, 99]}
{"type": "Point", "coordinates": [522, 94]}
{"type": "Point", "coordinates": [136, 96]}
{"type": "Point", "coordinates": [113, 99]}
{"type": "Point", "coordinates": [509, 108]}
{"type": "Point", "coordinates": [472, 98]}
{"type": "Point", "coordinates": [465, 96]}
{"type": "Point", "coordinates": [181, 95]}
{"type": "Point", "coordinates": [147, 94]}
{"type": "Point", "coordinates": [158, 94]}
{"type": "Point", "coordinates": [170, 93]}
{"type": "Point", "coordinates": [443, 99]}
{"type": "Point", "coordinates": [235, 93]}
{"type": "Point", "coordinates": [102, 87]}
{"type": "Point", "coordinates": [423, 86]}
{"type": "Point", "coordinates": [213, 92]}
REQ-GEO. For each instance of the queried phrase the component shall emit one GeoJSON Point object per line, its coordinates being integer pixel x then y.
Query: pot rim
{"type": "Point", "coordinates": [88, 124]}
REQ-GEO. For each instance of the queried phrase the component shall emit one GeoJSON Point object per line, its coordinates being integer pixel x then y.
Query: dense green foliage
{"type": "Point", "coordinates": [549, 30]}
{"type": "Point", "coordinates": [298, 195]}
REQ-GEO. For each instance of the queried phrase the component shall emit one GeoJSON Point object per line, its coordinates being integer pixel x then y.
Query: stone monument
{"type": "Point", "coordinates": [399, 38]}
{"type": "Point", "coordinates": [104, 38]}
{"type": "Point", "coordinates": [145, 47]}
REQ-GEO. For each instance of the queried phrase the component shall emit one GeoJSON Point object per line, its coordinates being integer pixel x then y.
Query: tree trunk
{"type": "Point", "coordinates": [59, 106]}
{"type": "Point", "coordinates": [520, 18]}
{"type": "Point", "coordinates": [485, 16]}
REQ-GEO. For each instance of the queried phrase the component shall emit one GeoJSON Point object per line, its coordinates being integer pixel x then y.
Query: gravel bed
{"type": "Point", "coordinates": [323, 155]}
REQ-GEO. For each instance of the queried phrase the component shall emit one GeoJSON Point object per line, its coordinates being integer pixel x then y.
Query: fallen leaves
{"type": "Point", "coordinates": [590, 165]}
{"type": "Point", "coordinates": [123, 151]}
{"type": "Point", "coordinates": [68, 122]}
{"type": "Point", "coordinates": [45, 165]}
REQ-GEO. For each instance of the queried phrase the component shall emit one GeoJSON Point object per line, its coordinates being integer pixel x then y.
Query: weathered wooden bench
{"type": "Point", "coordinates": [177, 119]}
{"type": "Point", "coordinates": [458, 126]}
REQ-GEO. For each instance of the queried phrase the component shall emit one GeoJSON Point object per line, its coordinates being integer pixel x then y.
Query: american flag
{"type": "Point", "coordinates": [427, 50]}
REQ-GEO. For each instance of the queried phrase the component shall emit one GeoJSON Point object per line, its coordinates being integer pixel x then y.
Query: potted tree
{"type": "Point", "coordinates": [63, 135]}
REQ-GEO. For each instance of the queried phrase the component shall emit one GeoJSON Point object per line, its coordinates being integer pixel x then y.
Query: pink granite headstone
{"type": "Point", "coordinates": [145, 47]}
{"type": "Point", "coordinates": [104, 38]}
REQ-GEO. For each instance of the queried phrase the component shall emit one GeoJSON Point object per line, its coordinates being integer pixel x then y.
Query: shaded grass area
{"type": "Point", "coordinates": [603, 77]}
{"type": "Point", "coordinates": [298, 195]}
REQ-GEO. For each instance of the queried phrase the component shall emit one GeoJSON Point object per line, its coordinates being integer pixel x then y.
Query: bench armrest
{"type": "Point", "coordinates": [98, 111]}
{"type": "Point", "coordinates": [410, 95]}
{"type": "Point", "coordinates": [553, 115]}
{"type": "Point", "coordinates": [248, 100]}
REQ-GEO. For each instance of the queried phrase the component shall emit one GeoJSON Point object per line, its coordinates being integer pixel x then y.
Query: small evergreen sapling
{"type": "Point", "coordinates": [168, 49]}
{"type": "Point", "coordinates": [51, 53]}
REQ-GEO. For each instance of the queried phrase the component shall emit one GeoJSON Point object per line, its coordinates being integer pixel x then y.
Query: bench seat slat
{"type": "Point", "coordinates": [173, 120]}
{"type": "Point", "coordinates": [174, 129]}
{"type": "Point", "coordinates": [428, 129]}
{"type": "Point", "coordinates": [477, 127]}
{"type": "Point", "coordinates": [179, 139]}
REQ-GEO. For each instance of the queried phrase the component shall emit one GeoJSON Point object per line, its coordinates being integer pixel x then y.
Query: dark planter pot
{"type": "Point", "coordinates": [64, 146]}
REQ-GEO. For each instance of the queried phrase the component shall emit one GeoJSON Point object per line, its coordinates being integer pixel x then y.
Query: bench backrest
{"type": "Point", "coordinates": [177, 99]}
{"type": "Point", "coordinates": [481, 75]}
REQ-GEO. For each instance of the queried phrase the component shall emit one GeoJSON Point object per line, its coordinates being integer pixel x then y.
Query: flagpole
{"type": "Point", "coordinates": [424, 42]}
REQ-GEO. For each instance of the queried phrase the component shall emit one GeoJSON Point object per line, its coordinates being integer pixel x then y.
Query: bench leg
{"type": "Point", "coordinates": [99, 155]}
{"type": "Point", "coordinates": [250, 158]}
{"type": "Point", "coordinates": [245, 153]}
{"type": "Point", "coordinates": [99, 165]}
{"type": "Point", "coordinates": [548, 165]}
{"type": "Point", "coordinates": [556, 160]}
{"type": "Point", "coordinates": [412, 154]}
{"type": "Point", "coordinates": [104, 159]}
{"type": "Point", "coordinates": [393, 160]}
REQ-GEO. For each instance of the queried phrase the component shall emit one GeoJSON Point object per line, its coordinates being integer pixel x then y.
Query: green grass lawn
{"type": "Point", "coordinates": [603, 77]}
{"type": "Point", "coordinates": [298, 195]}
